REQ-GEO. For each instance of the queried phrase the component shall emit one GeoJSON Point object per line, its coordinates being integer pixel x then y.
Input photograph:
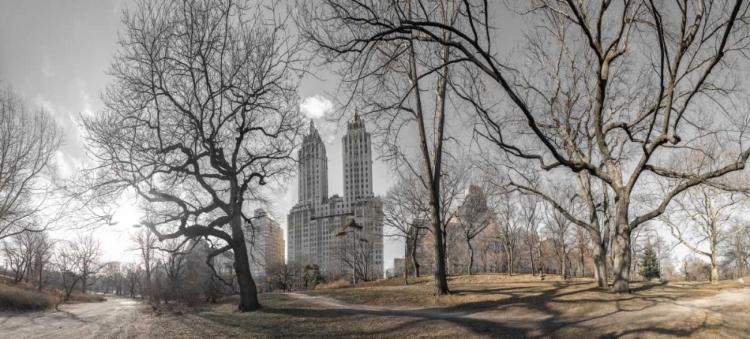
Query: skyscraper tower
{"type": "Point", "coordinates": [357, 159]}
{"type": "Point", "coordinates": [315, 223]}
{"type": "Point", "coordinates": [313, 169]}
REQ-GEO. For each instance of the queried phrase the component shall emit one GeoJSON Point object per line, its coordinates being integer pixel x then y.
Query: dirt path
{"type": "Point", "coordinates": [726, 314]}
{"type": "Point", "coordinates": [114, 318]}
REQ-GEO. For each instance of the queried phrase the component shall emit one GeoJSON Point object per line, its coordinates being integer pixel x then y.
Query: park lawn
{"type": "Point", "coordinates": [494, 292]}
{"type": "Point", "coordinates": [285, 317]}
{"type": "Point", "coordinates": [487, 306]}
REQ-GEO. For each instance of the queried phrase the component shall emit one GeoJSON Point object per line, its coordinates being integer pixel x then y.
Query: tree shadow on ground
{"type": "Point", "coordinates": [522, 312]}
{"type": "Point", "coordinates": [70, 315]}
{"type": "Point", "coordinates": [646, 287]}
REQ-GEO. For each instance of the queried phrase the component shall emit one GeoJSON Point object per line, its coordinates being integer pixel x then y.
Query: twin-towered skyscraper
{"type": "Point", "coordinates": [316, 220]}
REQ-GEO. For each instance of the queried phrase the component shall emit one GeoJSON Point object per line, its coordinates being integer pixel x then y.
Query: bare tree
{"type": "Point", "coordinates": [87, 250]}
{"type": "Point", "coordinates": [78, 262]}
{"type": "Point", "coordinates": [144, 242]}
{"type": "Point", "coordinates": [43, 252]}
{"type": "Point", "coordinates": [703, 215]}
{"type": "Point", "coordinates": [355, 254]}
{"type": "Point", "coordinates": [454, 182]}
{"type": "Point", "coordinates": [595, 218]}
{"type": "Point", "coordinates": [737, 250]}
{"type": "Point", "coordinates": [282, 276]}
{"type": "Point", "coordinates": [404, 211]}
{"type": "Point", "coordinates": [582, 242]}
{"type": "Point", "coordinates": [28, 142]}
{"type": "Point", "coordinates": [559, 227]}
{"type": "Point", "coordinates": [132, 279]}
{"type": "Point", "coordinates": [584, 65]}
{"type": "Point", "coordinates": [112, 277]}
{"type": "Point", "coordinates": [474, 216]}
{"type": "Point", "coordinates": [66, 263]}
{"type": "Point", "coordinates": [19, 252]}
{"type": "Point", "coordinates": [529, 209]}
{"type": "Point", "coordinates": [175, 264]}
{"type": "Point", "coordinates": [201, 114]}
{"type": "Point", "coordinates": [508, 225]}
{"type": "Point", "coordinates": [387, 79]}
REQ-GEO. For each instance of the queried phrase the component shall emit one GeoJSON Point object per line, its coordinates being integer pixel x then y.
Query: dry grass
{"type": "Point", "coordinates": [341, 283]}
{"type": "Point", "coordinates": [420, 291]}
{"type": "Point", "coordinates": [516, 292]}
{"type": "Point", "coordinates": [78, 297]}
{"type": "Point", "coordinates": [25, 297]}
{"type": "Point", "coordinates": [488, 306]}
{"type": "Point", "coordinates": [17, 298]}
{"type": "Point", "coordinates": [285, 317]}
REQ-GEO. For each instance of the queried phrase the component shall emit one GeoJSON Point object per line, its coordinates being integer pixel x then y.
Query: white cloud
{"type": "Point", "coordinates": [316, 106]}
{"type": "Point", "coordinates": [47, 69]}
{"type": "Point", "coordinates": [86, 100]}
{"type": "Point", "coordinates": [66, 165]}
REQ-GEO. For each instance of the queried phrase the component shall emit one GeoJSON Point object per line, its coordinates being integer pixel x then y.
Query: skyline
{"type": "Point", "coordinates": [318, 221]}
{"type": "Point", "coordinates": [64, 70]}
{"type": "Point", "coordinates": [337, 168]}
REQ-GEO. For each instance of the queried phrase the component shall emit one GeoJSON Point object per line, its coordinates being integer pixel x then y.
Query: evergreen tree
{"type": "Point", "coordinates": [311, 276]}
{"type": "Point", "coordinates": [650, 263]}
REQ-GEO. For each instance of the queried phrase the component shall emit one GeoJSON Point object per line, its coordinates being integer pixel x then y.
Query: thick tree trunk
{"type": "Point", "coordinates": [621, 251]}
{"type": "Point", "coordinates": [531, 258]}
{"type": "Point", "coordinates": [441, 279]}
{"type": "Point", "coordinates": [471, 257]}
{"type": "Point", "coordinates": [414, 254]}
{"type": "Point", "coordinates": [714, 268]}
{"type": "Point", "coordinates": [600, 263]}
{"type": "Point", "coordinates": [416, 265]}
{"type": "Point", "coordinates": [510, 262]}
{"type": "Point", "coordinates": [248, 289]}
{"type": "Point", "coordinates": [406, 264]}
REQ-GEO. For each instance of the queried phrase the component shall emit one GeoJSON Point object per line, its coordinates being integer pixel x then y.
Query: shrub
{"type": "Point", "coordinates": [77, 297]}
{"type": "Point", "coordinates": [13, 298]}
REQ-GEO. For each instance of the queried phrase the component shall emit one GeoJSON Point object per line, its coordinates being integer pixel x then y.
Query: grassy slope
{"type": "Point", "coordinates": [25, 297]}
{"type": "Point", "coordinates": [17, 298]}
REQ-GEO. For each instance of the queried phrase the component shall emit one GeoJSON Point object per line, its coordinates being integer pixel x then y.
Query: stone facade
{"type": "Point", "coordinates": [316, 219]}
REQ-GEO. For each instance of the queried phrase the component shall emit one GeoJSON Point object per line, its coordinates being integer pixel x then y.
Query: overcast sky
{"type": "Point", "coordinates": [56, 53]}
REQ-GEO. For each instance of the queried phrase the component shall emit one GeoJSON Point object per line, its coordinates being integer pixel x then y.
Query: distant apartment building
{"type": "Point", "coordinates": [265, 244]}
{"type": "Point", "coordinates": [316, 220]}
